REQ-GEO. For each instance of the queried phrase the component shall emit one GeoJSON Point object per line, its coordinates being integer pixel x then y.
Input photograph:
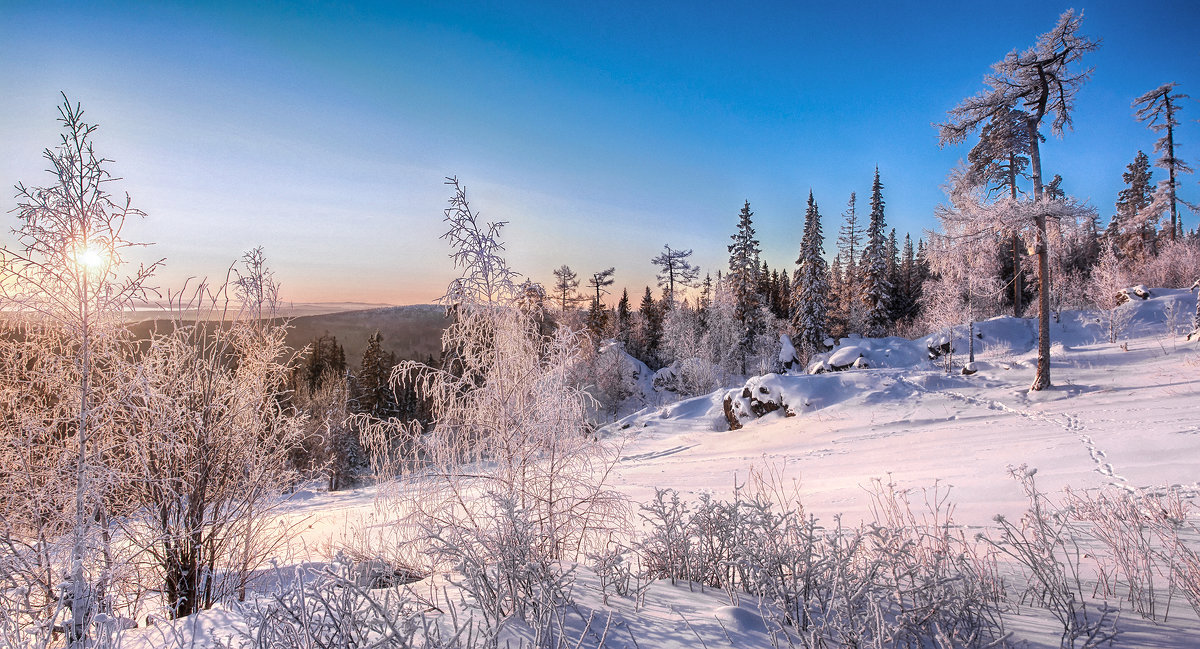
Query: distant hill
{"type": "Point", "coordinates": [413, 331]}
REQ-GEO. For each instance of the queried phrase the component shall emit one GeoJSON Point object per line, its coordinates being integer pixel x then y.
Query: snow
{"type": "Point", "coordinates": [1120, 416]}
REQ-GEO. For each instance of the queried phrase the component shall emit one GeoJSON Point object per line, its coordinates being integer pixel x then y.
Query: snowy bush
{"type": "Point", "coordinates": [905, 579]}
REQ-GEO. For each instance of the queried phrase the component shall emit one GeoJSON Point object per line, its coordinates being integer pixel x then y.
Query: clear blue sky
{"type": "Point", "coordinates": [600, 130]}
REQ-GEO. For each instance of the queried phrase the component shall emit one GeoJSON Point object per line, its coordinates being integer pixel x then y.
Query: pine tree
{"type": "Point", "coordinates": [998, 161]}
{"type": "Point", "coordinates": [877, 289]}
{"type": "Point", "coordinates": [810, 286]}
{"type": "Point", "coordinates": [597, 320]}
{"type": "Point", "coordinates": [743, 280]}
{"type": "Point", "coordinates": [1158, 108]}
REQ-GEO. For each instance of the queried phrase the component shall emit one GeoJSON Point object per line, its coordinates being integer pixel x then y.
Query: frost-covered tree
{"type": "Point", "coordinates": [64, 286]}
{"type": "Point", "coordinates": [810, 287]}
{"type": "Point", "coordinates": [876, 293]}
{"type": "Point", "coordinates": [743, 280]}
{"type": "Point", "coordinates": [1158, 109]}
{"type": "Point", "coordinates": [565, 283]}
{"type": "Point", "coordinates": [849, 305]}
{"type": "Point", "coordinates": [1043, 81]}
{"type": "Point", "coordinates": [210, 444]}
{"type": "Point", "coordinates": [1108, 278]}
{"type": "Point", "coordinates": [836, 312]}
{"type": "Point", "coordinates": [998, 161]}
{"type": "Point", "coordinates": [675, 271]}
{"type": "Point", "coordinates": [513, 483]}
{"type": "Point", "coordinates": [966, 287]}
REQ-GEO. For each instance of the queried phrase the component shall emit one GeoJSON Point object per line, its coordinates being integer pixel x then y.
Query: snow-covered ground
{"type": "Point", "coordinates": [1124, 414]}
{"type": "Point", "coordinates": [1119, 414]}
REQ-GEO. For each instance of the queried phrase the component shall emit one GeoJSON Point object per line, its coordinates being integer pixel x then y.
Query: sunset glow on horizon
{"type": "Point", "coordinates": [323, 132]}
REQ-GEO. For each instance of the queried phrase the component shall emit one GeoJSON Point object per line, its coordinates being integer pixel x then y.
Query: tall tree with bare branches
{"type": "Point", "coordinates": [1158, 108]}
{"type": "Point", "coordinates": [1043, 81]}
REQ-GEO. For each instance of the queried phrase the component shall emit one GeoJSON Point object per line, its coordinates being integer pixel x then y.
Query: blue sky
{"type": "Point", "coordinates": [601, 131]}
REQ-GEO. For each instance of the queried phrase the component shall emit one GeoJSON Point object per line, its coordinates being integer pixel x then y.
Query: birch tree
{"type": "Point", "coordinates": [1043, 81]}
{"type": "Point", "coordinates": [68, 284]}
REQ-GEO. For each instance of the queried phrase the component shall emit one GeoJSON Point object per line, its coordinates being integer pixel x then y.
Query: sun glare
{"type": "Point", "coordinates": [91, 259]}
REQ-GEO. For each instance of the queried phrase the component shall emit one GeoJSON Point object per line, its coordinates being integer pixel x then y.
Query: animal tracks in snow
{"type": "Point", "coordinates": [1067, 421]}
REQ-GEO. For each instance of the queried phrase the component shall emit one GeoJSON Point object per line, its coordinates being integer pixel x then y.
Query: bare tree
{"type": "Point", "coordinates": [675, 269]}
{"type": "Point", "coordinates": [1158, 108]}
{"type": "Point", "coordinates": [565, 283]}
{"type": "Point", "coordinates": [1043, 80]}
{"type": "Point", "coordinates": [600, 282]}
{"type": "Point", "coordinates": [65, 280]}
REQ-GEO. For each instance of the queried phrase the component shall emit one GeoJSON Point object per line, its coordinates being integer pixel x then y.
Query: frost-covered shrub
{"type": "Point", "coordinates": [1045, 546]}
{"type": "Point", "coordinates": [507, 565]}
{"type": "Point", "coordinates": [902, 580]}
{"type": "Point", "coordinates": [327, 607]}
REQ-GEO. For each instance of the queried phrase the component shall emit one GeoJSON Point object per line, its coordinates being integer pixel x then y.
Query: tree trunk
{"type": "Point", "coordinates": [1171, 172]}
{"type": "Point", "coordinates": [1041, 381]}
{"type": "Point", "coordinates": [1018, 288]}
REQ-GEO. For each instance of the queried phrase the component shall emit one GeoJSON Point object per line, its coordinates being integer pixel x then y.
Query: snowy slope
{"type": "Point", "coordinates": [1125, 414]}
{"type": "Point", "coordinates": [1113, 417]}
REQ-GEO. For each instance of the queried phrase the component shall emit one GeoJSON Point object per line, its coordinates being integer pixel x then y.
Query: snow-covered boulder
{"type": "Point", "coordinates": [1126, 294]}
{"type": "Point", "coordinates": [760, 396]}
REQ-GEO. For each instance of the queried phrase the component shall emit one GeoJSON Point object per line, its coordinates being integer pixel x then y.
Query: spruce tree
{"type": "Point", "coordinates": [877, 289]}
{"type": "Point", "coordinates": [652, 329]}
{"type": "Point", "coordinates": [624, 318]}
{"type": "Point", "coordinates": [910, 290]}
{"type": "Point", "coordinates": [373, 390]}
{"type": "Point", "coordinates": [1133, 231]}
{"type": "Point", "coordinates": [810, 286]}
{"type": "Point", "coordinates": [743, 281]}
{"type": "Point", "coordinates": [893, 274]}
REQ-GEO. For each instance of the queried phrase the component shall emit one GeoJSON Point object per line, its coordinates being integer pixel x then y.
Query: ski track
{"type": "Point", "coordinates": [1069, 422]}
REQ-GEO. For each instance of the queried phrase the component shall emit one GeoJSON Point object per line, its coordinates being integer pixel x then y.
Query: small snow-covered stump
{"type": "Point", "coordinates": [787, 352]}
{"type": "Point", "coordinates": [969, 369]}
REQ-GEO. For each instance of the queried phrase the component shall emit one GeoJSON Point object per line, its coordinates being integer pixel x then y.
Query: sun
{"type": "Point", "coordinates": [91, 258]}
